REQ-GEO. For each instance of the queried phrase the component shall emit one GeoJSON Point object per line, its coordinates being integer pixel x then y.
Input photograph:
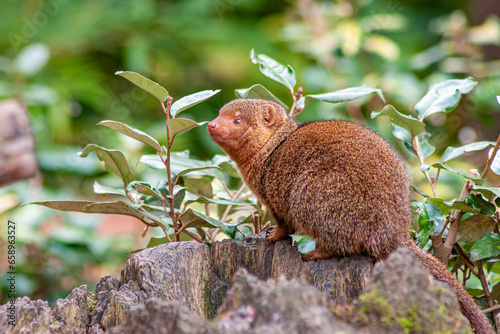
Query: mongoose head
{"type": "Point", "coordinates": [244, 126]}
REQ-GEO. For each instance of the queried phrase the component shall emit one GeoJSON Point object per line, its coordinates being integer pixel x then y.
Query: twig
{"type": "Point", "coordinates": [466, 260]}
{"type": "Point", "coordinates": [439, 250]}
{"type": "Point", "coordinates": [455, 220]}
{"type": "Point", "coordinates": [484, 283]}
{"type": "Point", "coordinates": [418, 150]}
{"type": "Point", "coordinates": [166, 162]}
{"type": "Point", "coordinates": [234, 197]}
{"type": "Point", "coordinates": [191, 235]}
{"type": "Point", "coordinates": [294, 111]}
{"type": "Point", "coordinates": [154, 224]}
{"type": "Point", "coordinates": [490, 159]}
{"type": "Point", "coordinates": [214, 234]}
{"type": "Point", "coordinates": [492, 309]}
{"type": "Point", "coordinates": [446, 222]}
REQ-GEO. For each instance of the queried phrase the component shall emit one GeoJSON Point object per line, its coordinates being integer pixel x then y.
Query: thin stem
{"type": "Point", "coordinates": [214, 234]}
{"type": "Point", "coordinates": [437, 176]}
{"type": "Point", "coordinates": [446, 222]}
{"type": "Point", "coordinates": [466, 260]}
{"type": "Point", "coordinates": [154, 224]}
{"type": "Point", "coordinates": [191, 235]}
{"type": "Point", "coordinates": [294, 111]}
{"type": "Point", "coordinates": [491, 309]}
{"type": "Point", "coordinates": [234, 197]}
{"type": "Point", "coordinates": [166, 162]}
{"type": "Point", "coordinates": [294, 102]}
{"type": "Point", "coordinates": [418, 150]}
{"type": "Point", "coordinates": [490, 159]}
{"type": "Point", "coordinates": [487, 294]}
{"type": "Point", "coordinates": [456, 219]}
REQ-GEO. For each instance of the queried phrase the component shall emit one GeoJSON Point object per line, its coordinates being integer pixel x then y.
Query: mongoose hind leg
{"type": "Point", "coordinates": [318, 254]}
{"type": "Point", "coordinates": [277, 233]}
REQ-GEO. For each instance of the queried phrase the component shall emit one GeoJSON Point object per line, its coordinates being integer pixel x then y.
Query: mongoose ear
{"type": "Point", "coordinates": [269, 114]}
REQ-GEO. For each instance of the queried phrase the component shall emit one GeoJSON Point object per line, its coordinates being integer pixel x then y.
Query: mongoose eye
{"type": "Point", "coordinates": [238, 121]}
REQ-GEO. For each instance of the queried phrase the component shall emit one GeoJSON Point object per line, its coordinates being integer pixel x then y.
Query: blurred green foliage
{"type": "Point", "coordinates": [59, 57]}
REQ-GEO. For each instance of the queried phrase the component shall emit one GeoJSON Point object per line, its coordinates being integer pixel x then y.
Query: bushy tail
{"type": "Point", "coordinates": [468, 307]}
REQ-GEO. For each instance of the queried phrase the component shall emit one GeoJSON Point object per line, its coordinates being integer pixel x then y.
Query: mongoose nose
{"type": "Point", "coordinates": [212, 125]}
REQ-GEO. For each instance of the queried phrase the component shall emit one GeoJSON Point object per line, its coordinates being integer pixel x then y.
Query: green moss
{"type": "Point", "coordinates": [375, 311]}
{"type": "Point", "coordinates": [373, 305]}
{"type": "Point", "coordinates": [91, 303]}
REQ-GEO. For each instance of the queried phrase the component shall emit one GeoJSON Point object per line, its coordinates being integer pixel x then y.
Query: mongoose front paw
{"type": "Point", "coordinates": [317, 254]}
{"type": "Point", "coordinates": [275, 233]}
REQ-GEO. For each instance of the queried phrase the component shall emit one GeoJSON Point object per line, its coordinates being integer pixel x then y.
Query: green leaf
{"type": "Point", "coordinates": [114, 162]}
{"type": "Point", "coordinates": [226, 164]}
{"type": "Point", "coordinates": [204, 170]}
{"type": "Point", "coordinates": [418, 191]}
{"type": "Point", "coordinates": [258, 92]}
{"type": "Point", "coordinates": [344, 95]}
{"type": "Point", "coordinates": [495, 292]}
{"type": "Point", "coordinates": [428, 211]}
{"type": "Point", "coordinates": [146, 189]}
{"type": "Point", "coordinates": [426, 229]}
{"type": "Point", "coordinates": [191, 100]}
{"type": "Point", "coordinates": [475, 227]}
{"type": "Point", "coordinates": [479, 203]}
{"type": "Point", "coordinates": [423, 140]}
{"type": "Point", "coordinates": [274, 70]}
{"type": "Point", "coordinates": [410, 124]}
{"type": "Point", "coordinates": [152, 161]}
{"type": "Point", "coordinates": [192, 218]}
{"type": "Point", "coordinates": [146, 84]}
{"type": "Point", "coordinates": [104, 190]}
{"type": "Point", "coordinates": [487, 191]}
{"type": "Point", "coordinates": [156, 241]}
{"type": "Point", "coordinates": [132, 133]}
{"type": "Point", "coordinates": [199, 186]}
{"type": "Point", "coordinates": [178, 125]}
{"type": "Point", "coordinates": [205, 200]}
{"type": "Point", "coordinates": [444, 96]}
{"type": "Point", "coordinates": [454, 152]}
{"type": "Point", "coordinates": [305, 244]}
{"type": "Point", "coordinates": [446, 206]}
{"type": "Point", "coordinates": [486, 247]}
{"type": "Point", "coordinates": [476, 179]}
{"type": "Point", "coordinates": [181, 164]}
{"type": "Point", "coordinates": [117, 207]}
{"type": "Point", "coordinates": [495, 164]}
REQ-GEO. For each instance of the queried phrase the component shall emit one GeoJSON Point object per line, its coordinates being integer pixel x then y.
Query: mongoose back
{"type": "Point", "coordinates": [335, 181]}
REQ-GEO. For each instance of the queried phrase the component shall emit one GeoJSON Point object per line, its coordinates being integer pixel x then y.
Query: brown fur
{"type": "Point", "coordinates": [336, 181]}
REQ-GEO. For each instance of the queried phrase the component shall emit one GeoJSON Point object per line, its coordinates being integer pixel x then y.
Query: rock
{"type": "Point", "coordinates": [253, 306]}
{"type": "Point", "coordinates": [162, 317]}
{"type": "Point", "coordinates": [70, 314]}
{"type": "Point", "coordinates": [31, 316]}
{"type": "Point", "coordinates": [179, 271]}
{"type": "Point", "coordinates": [35, 316]}
{"type": "Point", "coordinates": [340, 279]}
{"type": "Point", "coordinates": [403, 297]}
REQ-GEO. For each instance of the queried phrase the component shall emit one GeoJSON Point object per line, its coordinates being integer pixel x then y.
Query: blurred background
{"type": "Point", "coordinates": [59, 58]}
